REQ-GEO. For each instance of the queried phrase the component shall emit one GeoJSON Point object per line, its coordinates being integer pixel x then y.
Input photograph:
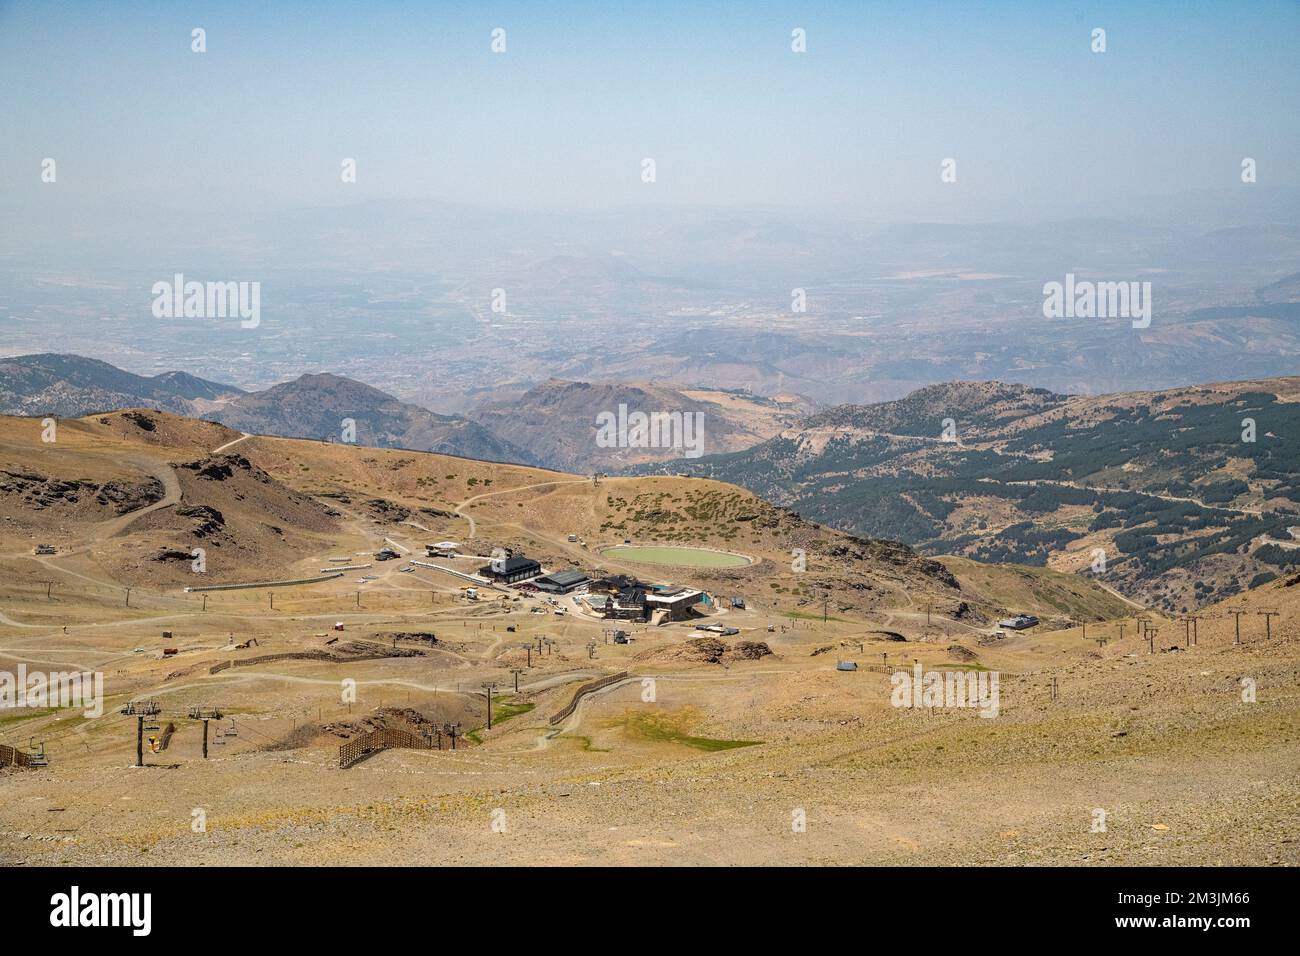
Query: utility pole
{"type": "Point", "coordinates": [529, 648]}
{"type": "Point", "coordinates": [488, 688]}
{"type": "Point", "coordinates": [1237, 614]}
{"type": "Point", "coordinates": [1151, 639]}
{"type": "Point", "coordinates": [205, 714]}
{"type": "Point", "coordinates": [450, 730]}
{"type": "Point", "coordinates": [826, 603]}
{"type": "Point", "coordinates": [928, 606]}
{"type": "Point", "coordinates": [48, 585]}
{"type": "Point", "coordinates": [591, 650]}
{"type": "Point", "coordinates": [140, 709]}
{"type": "Point", "coordinates": [272, 597]}
{"type": "Point", "coordinates": [205, 602]}
{"type": "Point", "coordinates": [128, 597]}
{"type": "Point", "coordinates": [516, 671]}
{"type": "Point", "coordinates": [1085, 630]}
{"type": "Point", "coordinates": [1268, 618]}
{"type": "Point", "coordinates": [1121, 630]}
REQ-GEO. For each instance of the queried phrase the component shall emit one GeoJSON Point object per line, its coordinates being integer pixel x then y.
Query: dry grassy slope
{"type": "Point", "coordinates": [1055, 596]}
{"type": "Point", "coordinates": [261, 510]}
{"type": "Point", "coordinates": [1150, 738]}
{"type": "Point", "coordinates": [535, 510]}
{"type": "Point", "coordinates": [1185, 770]}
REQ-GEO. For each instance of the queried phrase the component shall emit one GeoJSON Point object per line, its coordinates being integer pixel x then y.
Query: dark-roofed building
{"type": "Point", "coordinates": [562, 582]}
{"type": "Point", "coordinates": [512, 569]}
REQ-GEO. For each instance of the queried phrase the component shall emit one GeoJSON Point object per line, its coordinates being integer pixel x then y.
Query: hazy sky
{"type": "Point", "coordinates": [711, 92]}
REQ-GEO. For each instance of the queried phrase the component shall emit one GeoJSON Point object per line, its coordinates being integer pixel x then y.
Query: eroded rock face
{"type": "Point", "coordinates": [124, 497]}
{"type": "Point", "coordinates": [748, 651]}
{"type": "Point", "coordinates": [141, 421]}
{"type": "Point", "coordinates": [209, 520]}
{"type": "Point", "coordinates": [38, 492]}
{"type": "Point", "coordinates": [387, 511]}
{"type": "Point", "coordinates": [223, 467]}
{"type": "Point", "coordinates": [173, 554]}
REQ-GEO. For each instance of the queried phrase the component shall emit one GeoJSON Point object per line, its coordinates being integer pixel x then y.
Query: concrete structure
{"type": "Point", "coordinates": [676, 601]}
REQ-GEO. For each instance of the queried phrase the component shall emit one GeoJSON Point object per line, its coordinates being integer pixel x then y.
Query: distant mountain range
{"type": "Point", "coordinates": [556, 421]}
{"type": "Point", "coordinates": [311, 406]}
{"type": "Point", "coordinates": [1177, 497]}
{"type": "Point", "coordinates": [552, 424]}
{"type": "Point", "coordinates": [70, 386]}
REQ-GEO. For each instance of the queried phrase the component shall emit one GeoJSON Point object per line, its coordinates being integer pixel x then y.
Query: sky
{"type": "Point", "coordinates": [1038, 124]}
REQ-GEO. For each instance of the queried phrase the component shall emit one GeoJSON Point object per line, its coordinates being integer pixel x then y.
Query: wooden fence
{"type": "Point", "coordinates": [301, 656]}
{"type": "Point", "coordinates": [359, 748]}
{"type": "Point", "coordinates": [583, 691]}
{"type": "Point", "coordinates": [12, 757]}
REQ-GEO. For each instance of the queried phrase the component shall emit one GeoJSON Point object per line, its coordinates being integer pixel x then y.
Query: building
{"type": "Point", "coordinates": [562, 582]}
{"type": "Point", "coordinates": [677, 602]}
{"type": "Point", "coordinates": [512, 569]}
{"type": "Point", "coordinates": [619, 598]}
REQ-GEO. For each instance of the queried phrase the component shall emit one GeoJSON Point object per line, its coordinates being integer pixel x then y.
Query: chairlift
{"type": "Point", "coordinates": [231, 731]}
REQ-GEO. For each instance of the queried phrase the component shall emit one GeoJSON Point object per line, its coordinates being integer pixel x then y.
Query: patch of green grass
{"type": "Point", "coordinates": [473, 735]}
{"type": "Point", "coordinates": [503, 709]}
{"type": "Point", "coordinates": [585, 742]}
{"type": "Point", "coordinates": [665, 729]}
{"type": "Point", "coordinates": [15, 718]}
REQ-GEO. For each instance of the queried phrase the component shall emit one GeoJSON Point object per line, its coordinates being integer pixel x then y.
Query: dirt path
{"type": "Point", "coordinates": [220, 449]}
{"type": "Point", "coordinates": [473, 526]}
{"type": "Point", "coordinates": [1130, 491]}
{"type": "Point", "coordinates": [172, 496]}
